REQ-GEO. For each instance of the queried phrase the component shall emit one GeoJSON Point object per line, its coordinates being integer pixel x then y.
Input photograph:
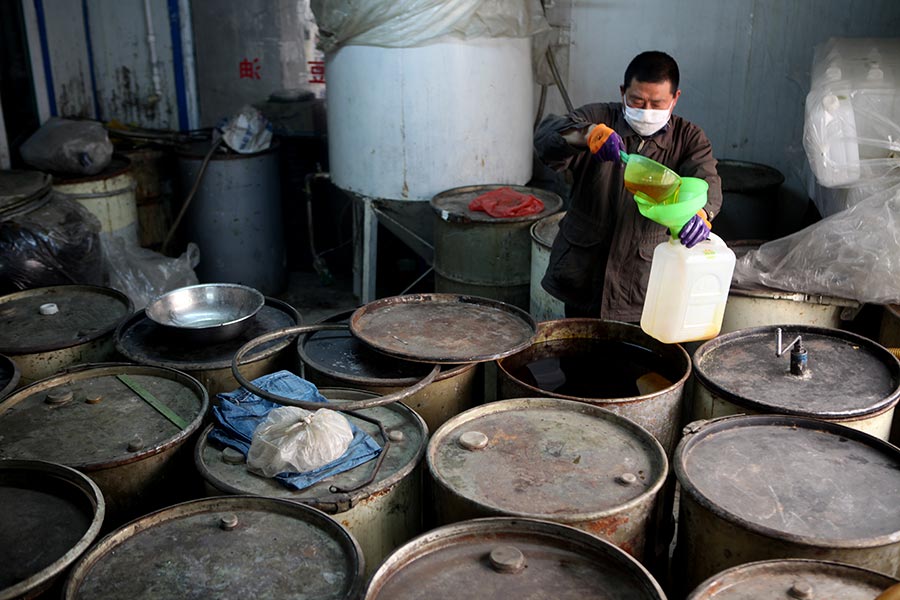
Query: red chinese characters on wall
{"type": "Point", "coordinates": [249, 69]}
{"type": "Point", "coordinates": [316, 71]}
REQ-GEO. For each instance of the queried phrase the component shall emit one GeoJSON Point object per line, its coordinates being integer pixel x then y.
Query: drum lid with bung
{"type": "Point", "coordinates": [143, 341]}
{"type": "Point", "coordinates": [795, 479]}
{"type": "Point", "coordinates": [101, 416]}
{"type": "Point", "coordinates": [846, 375]}
{"type": "Point", "coordinates": [226, 469]}
{"type": "Point", "coordinates": [796, 579]}
{"type": "Point", "coordinates": [225, 547]}
{"type": "Point", "coordinates": [545, 458]}
{"type": "Point", "coordinates": [51, 514]}
{"type": "Point", "coordinates": [544, 232]}
{"type": "Point", "coordinates": [57, 317]}
{"type": "Point", "coordinates": [511, 558]}
{"type": "Point", "coordinates": [22, 191]}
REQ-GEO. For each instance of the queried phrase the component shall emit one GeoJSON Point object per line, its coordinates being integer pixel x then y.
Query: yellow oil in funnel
{"type": "Point", "coordinates": [649, 180]}
{"type": "Point", "coordinates": [688, 287]}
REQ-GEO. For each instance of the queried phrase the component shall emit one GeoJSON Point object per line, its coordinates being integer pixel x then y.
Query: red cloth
{"type": "Point", "coordinates": [506, 202]}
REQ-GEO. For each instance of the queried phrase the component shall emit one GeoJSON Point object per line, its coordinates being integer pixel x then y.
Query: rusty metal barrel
{"type": "Point", "coordinates": [543, 306]}
{"type": "Point", "coordinates": [481, 255]}
{"type": "Point", "coordinates": [122, 425]}
{"type": "Point", "coordinates": [503, 557]}
{"type": "Point", "coordinates": [382, 502]}
{"type": "Point", "coordinates": [51, 515]}
{"type": "Point", "coordinates": [141, 340]}
{"type": "Point", "coordinates": [822, 373]}
{"type": "Point", "coordinates": [605, 363]}
{"type": "Point", "coordinates": [48, 329]}
{"type": "Point", "coordinates": [793, 578]}
{"type": "Point", "coordinates": [227, 547]}
{"type": "Point", "coordinates": [550, 459]}
{"type": "Point", "coordinates": [336, 358]}
{"type": "Point", "coordinates": [765, 487]}
{"type": "Point", "coordinates": [9, 376]}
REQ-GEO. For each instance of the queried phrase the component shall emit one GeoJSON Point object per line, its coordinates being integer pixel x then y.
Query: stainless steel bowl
{"type": "Point", "coordinates": [208, 313]}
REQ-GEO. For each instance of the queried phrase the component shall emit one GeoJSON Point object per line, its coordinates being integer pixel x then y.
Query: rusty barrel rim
{"type": "Point", "coordinates": [717, 344]}
{"type": "Point", "coordinates": [89, 371]}
{"type": "Point", "coordinates": [539, 230]}
{"type": "Point", "coordinates": [76, 482]}
{"type": "Point", "coordinates": [561, 535]}
{"type": "Point", "coordinates": [443, 434]}
{"type": "Point", "coordinates": [102, 332]}
{"type": "Point", "coordinates": [374, 381]}
{"type": "Point", "coordinates": [545, 329]}
{"type": "Point", "coordinates": [734, 576]}
{"type": "Point", "coordinates": [695, 433]}
{"type": "Point", "coordinates": [333, 502]}
{"type": "Point", "coordinates": [233, 504]}
{"type": "Point", "coordinates": [9, 366]}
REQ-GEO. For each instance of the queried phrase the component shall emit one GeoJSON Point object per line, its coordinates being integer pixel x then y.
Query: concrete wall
{"type": "Point", "coordinates": [745, 64]}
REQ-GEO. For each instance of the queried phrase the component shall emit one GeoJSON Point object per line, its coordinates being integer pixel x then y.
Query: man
{"type": "Point", "coordinates": [600, 261]}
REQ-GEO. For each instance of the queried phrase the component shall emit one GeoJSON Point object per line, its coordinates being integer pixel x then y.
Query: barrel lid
{"type": "Point", "coordinates": [21, 191]}
{"type": "Point", "coordinates": [511, 558]}
{"type": "Point", "coordinates": [56, 510]}
{"type": "Point", "coordinates": [340, 354]}
{"type": "Point", "coordinates": [846, 376]}
{"type": "Point", "coordinates": [796, 579]}
{"type": "Point", "coordinates": [228, 472]}
{"type": "Point", "coordinates": [9, 376]}
{"type": "Point", "coordinates": [143, 341]}
{"type": "Point", "coordinates": [748, 177]}
{"type": "Point", "coordinates": [53, 318]}
{"type": "Point", "coordinates": [236, 547]}
{"type": "Point", "coordinates": [118, 165]}
{"type": "Point", "coordinates": [545, 231]}
{"type": "Point", "coordinates": [804, 480]}
{"type": "Point", "coordinates": [546, 458]}
{"type": "Point", "coordinates": [453, 205]}
{"type": "Point", "coordinates": [90, 419]}
{"type": "Point", "coordinates": [443, 328]}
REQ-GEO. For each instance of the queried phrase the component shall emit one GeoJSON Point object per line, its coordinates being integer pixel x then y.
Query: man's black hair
{"type": "Point", "coordinates": [652, 67]}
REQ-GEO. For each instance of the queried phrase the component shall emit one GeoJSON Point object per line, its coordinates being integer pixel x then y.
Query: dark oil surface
{"type": "Point", "coordinates": [588, 368]}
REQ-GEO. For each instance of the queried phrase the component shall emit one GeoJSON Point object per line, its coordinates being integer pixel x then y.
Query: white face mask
{"type": "Point", "coordinates": [646, 121]}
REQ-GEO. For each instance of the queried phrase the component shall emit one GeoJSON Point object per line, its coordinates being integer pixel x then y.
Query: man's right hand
{"type": "Point", "coordinates": [604, 143]}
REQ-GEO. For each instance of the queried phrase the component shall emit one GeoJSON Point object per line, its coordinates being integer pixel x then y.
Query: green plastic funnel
{"type": "Point", "coordinates": [690, 198]}
{"type": "Point", "coordinates": [649, 179]}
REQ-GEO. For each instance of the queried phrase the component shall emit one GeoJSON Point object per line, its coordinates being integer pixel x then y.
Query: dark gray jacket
{"type": "Point", "coordinates": [600, 261]}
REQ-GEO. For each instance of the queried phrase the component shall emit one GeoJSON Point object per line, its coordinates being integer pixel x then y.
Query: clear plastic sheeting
{"type": "Point", "coordinates": [854, 254]}
{"type": "Point", "coordinates": [409, 23]}
{"type": "Point", "coordinates": [852, 127]}
{"type": "Point", "coordinates": [143, 274]}
{"type": "Point", "coordinates": [55, 244]}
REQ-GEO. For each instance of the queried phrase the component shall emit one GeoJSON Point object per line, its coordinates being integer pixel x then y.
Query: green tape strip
{"type": "Point", "coordinates": [153, 401]}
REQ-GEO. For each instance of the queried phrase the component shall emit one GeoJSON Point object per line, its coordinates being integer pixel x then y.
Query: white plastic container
{"type": "Point", "coordinates": [688, 290]}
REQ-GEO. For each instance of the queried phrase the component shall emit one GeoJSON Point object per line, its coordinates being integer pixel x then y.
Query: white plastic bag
{"type": "Point", "coordinates": [245, 132]}
{"type": "Point", "coordinates": [68, 146]}
{"type": "Point", "coordinates": [292, 439]}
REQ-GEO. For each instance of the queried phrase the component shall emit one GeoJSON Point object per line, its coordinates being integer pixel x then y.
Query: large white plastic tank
{"type": "Point", "coordinates": [408, 123]}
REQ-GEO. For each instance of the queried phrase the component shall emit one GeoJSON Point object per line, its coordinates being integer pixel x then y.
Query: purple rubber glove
{"type": "Point", "coordinates": [604, 143]}
{"type": "Point", "coordinates": [695, 231]}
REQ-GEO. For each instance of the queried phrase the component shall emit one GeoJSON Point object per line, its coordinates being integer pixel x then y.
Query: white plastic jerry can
{"type": "Point", "coordinates": [687, 291]}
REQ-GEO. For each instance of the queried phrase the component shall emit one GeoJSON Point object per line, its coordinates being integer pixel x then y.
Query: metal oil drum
{"type": "Point", "coordinates": [480, 255]}
{"type": "Point", "coordinates": [9, 376]}
{"type": "Point", "coordinates": [889, 336]}
{"type": "Point", "coordinates": [23, 191]}
{"type": "Point", "coordinates": [605, 363]}
{"type": "Point", "coordinates": [764, 487]}
{"type": "Point", "coordinates": [550, 459]}
{"type": "Point", "coordinates": [120, 424]}
{"type": "Point", "coordinates": [793, 579]}
{"type": "Point", "coordinates": [141, 340]}
{"type": "Point", "coordinates": [543, 306]}
{"type": "Point", "coordinates": [504, 557]}
{"type": "Point", "coordinates": [227, 547]}
{"type": "Point", "coordinates": [51, 515]}
{"type": "Point", "coordinates": [46, 330]}
{"type": "Point", "coordinates": [828, 374]}
{"type": "Point", "coordinates": [381, 513]}
{"type": "Point", "coordinates": [759, 305]}
{"type": "Point", "coordinates": [153, 178]}
{"type": "Point", "coordinates": [108, 195]}
{"type": "Point", "coordinates": [336, 358]}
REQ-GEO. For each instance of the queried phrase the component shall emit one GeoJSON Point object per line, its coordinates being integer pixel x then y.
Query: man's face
{"type": "Point", "coordinates": [654, 96]}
